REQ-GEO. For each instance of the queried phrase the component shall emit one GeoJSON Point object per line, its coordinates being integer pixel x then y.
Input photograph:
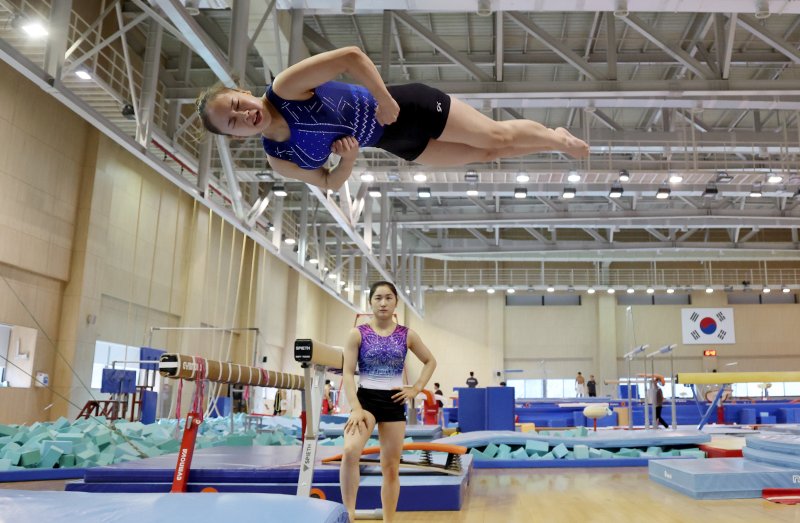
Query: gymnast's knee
{"type": "Point", "coordinates": [500, 136]}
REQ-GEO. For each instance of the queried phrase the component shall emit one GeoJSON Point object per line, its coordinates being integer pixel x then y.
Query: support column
{"type": "Point", "coordinates": [495, 336]}
{"type": "Point", "coordinates": [605, 363]}
{"type": "Point", "coordinates": [147, 102]}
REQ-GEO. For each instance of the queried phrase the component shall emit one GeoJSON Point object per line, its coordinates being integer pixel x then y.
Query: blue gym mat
{"type": "Point", "coordinates": [37, 506]}
{"type": "Point", "coordinates": [417, 432]}
{"type": "Point", "coordinates": [722, 478]}
{"type": "Point", "coordinates": [783, 443]}
{"type": "Point", "coordinates": [10, 476]}
{"type": "Point", "coordinates": [275, 470]}
{"type": "Point", "coordinates": [603, 439]}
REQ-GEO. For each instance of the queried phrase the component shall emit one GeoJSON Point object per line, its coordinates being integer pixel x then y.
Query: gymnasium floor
{"type": "Point", "coordinates": [619, 495]}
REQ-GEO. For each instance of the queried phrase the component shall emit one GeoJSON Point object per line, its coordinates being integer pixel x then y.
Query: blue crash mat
{"type": "Point", "coordinates": [603, 439]}
{"type": "Point", "coordinates": [36, 506]}
{"type": "Point", "coordinates": [783, 443]}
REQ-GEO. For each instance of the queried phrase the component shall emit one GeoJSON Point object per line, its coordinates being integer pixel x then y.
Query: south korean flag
{"type": "Point", "coordinates": [707, 326]}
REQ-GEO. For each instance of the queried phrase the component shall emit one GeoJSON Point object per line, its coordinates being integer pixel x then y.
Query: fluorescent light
{"type": "Point", "coordinates": [471, 176]}
{"type": "Point", "coordinates": [616, 191]}
{"type": "Point", "coordinates": [774, 178]}
{"type": "Point", "coordinates": [367, 177]}
{"type": "Point", "coordinates": [755, 192]}
{"type": "Point", "coordinates": [723, 177]}
{"type": "Point", "coordinates": [510, 290]}
{"type": "Point", "coordinates": [624, 175]}
{"type": "Point", "coordinates": [550, 288]}
{"type": "Point", "coordinates": [630, 290]}
{"type": "Point", "coordinates": [424, 192]}
{"type": "Point", "coordinates": [450, 289]}
{"type": "Point", "coordinates": [709, 290]}
{"type": "Point", "coordinates": [573, 177]}
{"type": "Point", "coordinates": [375, 192]}
{"type": "Point", "coordinates": [523, 178]}
{"type": "Point", "coordinates": [472, 192]}
{"type": "Point", "coordinates": [663, 193]}
{"type": "Point", "coordinates": [290, 241]}
{"type": "Point", "coordinates": [569, 193]}
{"type": "Point", "coordinates": [766, 290]}
{"type": "Point", "coordinates": [490, 290]}
{"type": "Point", "coordinates": [83, 75]}
{"type": "Point", "coordinates": [420, 177]}
{"type": "Point", "coordinates": [611, 290]}
{"type": "Point", "coordinates": [670, 291]}
{"type": "Point", "coordinates": [470, 289]}
{"type": "Point", "coordinates": [650, 290]}
{"type": "Point", "coordinates": [785, 290]}
{"type": "Point", "coordinates": [520, 192]}
{"type": "Point", "coordinates": [34, 29]}
{"type": "Point", "coordinates": [590, 290]}
{"type": "Point", "coordinates": [313, 261]}
{"type": "Point", "coordinates": [271, 227]}
{"type": "Point", "coordinates": [279, 190]}
{"type": "Point", "coordinates": [675, 178]}
{"type": "Point", "coordinates": [711, 191]}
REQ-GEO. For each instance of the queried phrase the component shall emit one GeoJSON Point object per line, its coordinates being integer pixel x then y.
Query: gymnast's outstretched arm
{"type": "Point", "coordinates": [297, 82]}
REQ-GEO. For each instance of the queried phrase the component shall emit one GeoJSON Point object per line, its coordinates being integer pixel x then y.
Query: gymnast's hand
{"type": "Point", "coordinates": [387, 111]}
{"type": "Point", "coordinates": [346, 147]}
{"type": "Point", "coordinates": [357, 418]}
{"type": "Point", "coordinates": [406, 393]}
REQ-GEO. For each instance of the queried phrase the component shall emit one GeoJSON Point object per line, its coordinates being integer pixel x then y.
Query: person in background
{"type": "Point", "coordinates": [472, 381]}
{"type": "Point", "coordinates": [659, 402]}
{"type": "Point", "coordinates": [591, 386]}
{"type": "Point", "coordinates": [580, 386]}
{"type": "Point", "coordinates": [327, 402]}
{"type": "Point", "coordinates": [438, 395]}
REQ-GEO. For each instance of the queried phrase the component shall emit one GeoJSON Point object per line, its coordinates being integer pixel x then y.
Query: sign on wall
{"type": "Point", "coordinates": [706, 326]}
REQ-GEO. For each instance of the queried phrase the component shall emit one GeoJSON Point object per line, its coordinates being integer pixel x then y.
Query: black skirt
{"type": "Point", "coordinates": [379, 403]}
{"type": "Point", "coordinates": [423, 116]}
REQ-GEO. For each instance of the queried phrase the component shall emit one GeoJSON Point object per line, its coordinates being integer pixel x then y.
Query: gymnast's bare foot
{"type": "Point", "coordinates": [573, 146]}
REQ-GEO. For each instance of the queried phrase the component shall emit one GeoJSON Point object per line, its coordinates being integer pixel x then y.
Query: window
{"type": "Point", "coordinates": [106, 353]}
{"type": "Point", "coordinates": [791, 388]}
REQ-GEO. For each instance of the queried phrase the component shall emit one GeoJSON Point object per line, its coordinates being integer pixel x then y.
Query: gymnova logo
{"type": "Point", "coordinates": [667, 475]}
{"type": "Point", "coordinates": [182, 464]}
{"type": "Point", "coordinates": [795, 478]}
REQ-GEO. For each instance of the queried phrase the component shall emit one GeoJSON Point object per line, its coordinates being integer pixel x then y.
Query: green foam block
{"type": "Point", "coordinates": [549, 455]}
{"type": "Point", "coordinates": [655, 451]}
{"type": "Point", "coordinates": [694, 453]}
{"type": "Point", "coordinates": [581, 432]}
{"type": "Point", "coordinates": [536, 446]}
{"type": "Point", "coordinates": [491, 450]}
{"type": "Point", "coordinates": [67, 460]}
{"type": "Point", "coordinates": [30, 458]}
{"type": "Point", "coordinates": [581, 452]}
{"type": "Point", "coordinates": [239, 440]}
{"type": "Point", "coordinates": [5, 464]}
{"type": "Point", "coordinates": [477, 454]}
{"type": "Point", "coordinates": [519, 454]}
{"type": "Point", "coordinates": [50, 458]}
{"type": "Point", "coordinates": [560, 451]}
{"type": "Point", "coordinates": [8, 430]}
{"type": "Point", "coordinates": [595, 453]}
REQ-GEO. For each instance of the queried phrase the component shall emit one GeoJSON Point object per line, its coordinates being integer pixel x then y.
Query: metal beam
{"type": "Point", "coordinates": [605, 119]}
{"type": "Point", "coordinates": [147, 101]}
{"type": "Point", "coordinates": [671, 49]}
{"type": "Point", "coordinates": [317, 39]}
{"type": "Point", "coordinates": [198, 40]}
{"type": "Point", "coordinates": [751, 25]}
{"type": "Point", "coordinates": [443, 47]}
{"type": "Point", "coordinates": [499, 46]}
{"type": "Point", "coordinates": [56, 47]}
{"type": "Point", "coordinates": [556, 46]}
{"type": "Point", "coordinates": [386, 46]}
{"type": "Point", "coordinates": [74, 64]}
{"type": "Point", "coordinates": [234, 188]}
{"type": "Point", "coordinates": [238, 42]}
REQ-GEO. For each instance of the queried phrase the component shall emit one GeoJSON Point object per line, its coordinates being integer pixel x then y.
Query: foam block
{"type": "Point", "coordinates": [519, 454]}
{"type": "Point", "coordinates": [491, 450]}
{"type": "Point", "coordinates": [560, 451]}
{"type": "Point", "coordinates": [694, 453]}
{"type": "Point", "coordinates": [536, 446]}
{"type": "Point", "coordinates": [50, 458]}
{"type": "Point", "coordinates": [67, 460]}
{"type": "Point", "coordinates": [5, 464]}
{"type": "Point", "coordinates": [581, 432]}
{"type": "Point", "coordinates": [581, 452]}
{"type": "Point", "coordinates": [8, 430]}
{"type": "Point", "coordinates": [477, 454]}
{"type": "Point", "coordinates": [655, 451]}
{"type": "Point", "coordinates": [29, 458]}
{"type": "Point", "coordinates": [549, 455]}
{"type": "Point", "coordinates": [595, 453]}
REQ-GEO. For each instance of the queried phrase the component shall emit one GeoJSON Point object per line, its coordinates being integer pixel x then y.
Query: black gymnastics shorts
{"type": "Point", "coordinates": [423, 115]}
{"type": "Point", "coordinates": [379, 403]}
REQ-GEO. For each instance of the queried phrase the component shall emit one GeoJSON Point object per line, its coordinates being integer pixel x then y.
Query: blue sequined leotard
{"type": "Point", "coordinates": [381, 358]}
{"type": "Point", "coordinates": [334, 111]}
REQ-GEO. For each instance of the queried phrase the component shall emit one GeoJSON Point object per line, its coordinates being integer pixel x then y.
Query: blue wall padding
{"type": "Point", "coordinates": [149, 404]}
{"type": "Point", "coordinates": [37, 506]}
{"type": "Point", "coordinates": [747, 416]}
{"type": "Point", "coordinates": [147, 353]}
{"type": "Point", "coordinates": [223, 407]}
{"type": "Point", "coordinates": [472, 409]}
{"type": "Point", "coordinates": [118, 381]}
{"type": "Point", "coordinates": [499, 408]}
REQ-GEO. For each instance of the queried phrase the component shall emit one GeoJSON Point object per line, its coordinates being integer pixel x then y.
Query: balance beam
{"type": "Point", "coordinates": [723, 378]}
{"type": "Point", "coordinates": [181, 366]}
{"type": "Point", "coordinates": [318, 353]}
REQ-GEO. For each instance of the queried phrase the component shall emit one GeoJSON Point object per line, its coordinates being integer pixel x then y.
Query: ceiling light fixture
{"type": "Point", "coordinates": [375, 192]}
{"type": "Point", "coordinates": [569, 193]}
{"type": "Point", "coordinates": [420, 177]}
{"type": "Point", "coordinates": [624, 175]}
{"type": "Point", "coordinates": [711, 191]}
{"type": "Point", "coordinates": [573, 177]}
{"type": "Point", "coordinates": [520, 192]}
{"type": "Point", "coordinates": [367, 177]}
{"type": "Point", "coordinates": [675, 178]}
{"type": "Point", "coordinates": [774, 178]}
{"type": "Point", "coordinates": [279, 190]}
{"type": "Point", "coordinates": [663, 193]}
{"type": "Point", "coordinates": [523, 178]}
{"type": "Point", "coordinates": [616, 191]}
{"type": "Point", "coordinates": [424, 192]}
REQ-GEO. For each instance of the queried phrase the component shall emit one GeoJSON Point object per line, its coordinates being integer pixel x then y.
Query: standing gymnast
{"type": "Point", "coordinates": [379, 347]}
{"type": "Point", "coordinates": [305, 115]}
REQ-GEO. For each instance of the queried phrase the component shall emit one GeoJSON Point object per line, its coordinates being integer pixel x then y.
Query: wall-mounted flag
{"type": "Point", "coordinates": [707, 326]}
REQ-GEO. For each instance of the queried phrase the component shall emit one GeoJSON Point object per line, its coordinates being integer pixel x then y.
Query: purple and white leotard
{"type": "Point", "coordinates": [381, 358]}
